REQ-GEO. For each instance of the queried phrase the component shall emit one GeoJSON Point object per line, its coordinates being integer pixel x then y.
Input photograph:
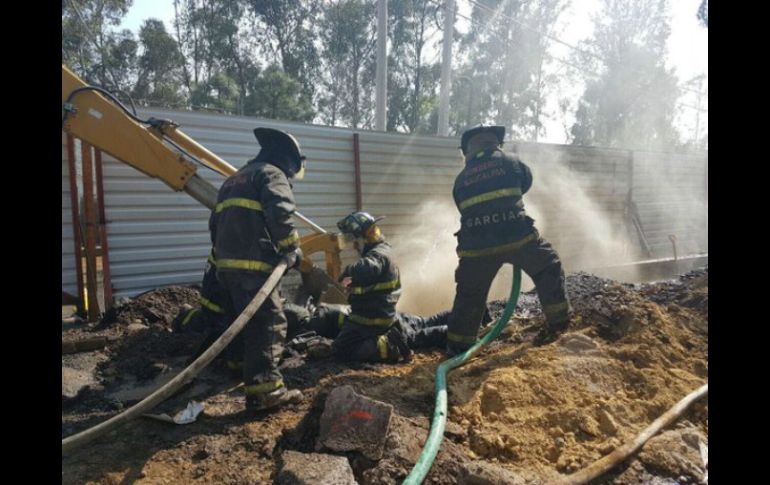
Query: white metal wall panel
{"type": "Point", "coordinates": [159, 237]}
{"type": "Point", "coordinates": [69, 282]}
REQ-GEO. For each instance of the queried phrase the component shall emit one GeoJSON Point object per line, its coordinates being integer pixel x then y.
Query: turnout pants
{"type": "Point", "coordinates": [474, 277]}
{"type": "Point", "coordinates": [423, 333]}
{"type": "Point", "coordinates": [262, 339]}
{"type": "Point", "coordinates": [357, 342]}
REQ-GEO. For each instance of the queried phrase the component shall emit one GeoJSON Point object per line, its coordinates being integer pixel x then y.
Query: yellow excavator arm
{"type": "Point", "coordinates": [159, 149]}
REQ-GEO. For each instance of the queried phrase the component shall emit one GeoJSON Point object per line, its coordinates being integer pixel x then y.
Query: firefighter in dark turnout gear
{"type": "Point", "coordinates": [210, 318]}
{"type": "Point", "coordinates": [371, 331]}
{"type": "Point", "coordinates": [251, 231]}
{"type": "Point", "coordinates": [211, 313]}
{"type": "Point", "coordinates": [495, 230]}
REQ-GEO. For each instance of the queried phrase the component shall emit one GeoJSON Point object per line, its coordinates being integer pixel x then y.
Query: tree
{"type": "Point", "coordinates": [217, 51]}
{"type": "Point", "coordinates": [278, 96]}
{"type": "Point", "coordinates": [159, 79]}
{"type": "Point", "coordinates": [703, 12]}
{"type": "Point", "coordinates": [411, 83]}
{"type": "Point", "coordinates": [348, 37]}
{"type": "Point", "coordinates": [502, 79]}
{"type": "Point", "coordinates": [286, 27]}
{"type": "Point", "coordinates": [632, 102]}
{"type": "Point", "coordinates": [121, 60]}
{"type": "Point", "coordinates": [87, 42]}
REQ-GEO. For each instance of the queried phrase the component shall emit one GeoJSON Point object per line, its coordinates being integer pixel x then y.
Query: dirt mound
{"type": "Point", "coordinates": [690, 290]}
{"type": "Point", "coordinates": [156, 306]}
{"type": "Point", "coordinates": [632, 351]}
{"type": "Point", "coordinates": [557, 408]}
{"type": "Point", "coordinates": [142, 354]}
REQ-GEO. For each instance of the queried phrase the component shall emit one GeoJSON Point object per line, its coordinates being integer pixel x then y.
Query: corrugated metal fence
{"type": "Point", "coordinates": [158, 237]}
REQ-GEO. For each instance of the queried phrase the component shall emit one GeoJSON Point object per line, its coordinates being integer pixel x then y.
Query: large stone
{"type": "Point", "coordinates": [352, 422]}
{"type": "Point", "coordinates": [675, 452]}
{"type": "Point", "coordinates": [314, 469]}
{"type": "Point", "coordinates": [405, 441]}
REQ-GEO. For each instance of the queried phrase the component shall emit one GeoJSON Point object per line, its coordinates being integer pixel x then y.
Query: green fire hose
{"type": "Point", "coordinates": [432, 444]}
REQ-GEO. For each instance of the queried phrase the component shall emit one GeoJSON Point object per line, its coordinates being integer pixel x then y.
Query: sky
{"type": "Point", "coordinates": [687, 46]}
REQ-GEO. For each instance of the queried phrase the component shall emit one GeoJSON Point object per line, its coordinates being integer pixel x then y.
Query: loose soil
{"type": "Point", "coordinates": [535, 413]}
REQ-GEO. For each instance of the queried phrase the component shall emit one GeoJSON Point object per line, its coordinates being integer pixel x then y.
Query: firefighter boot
{"type": "Point", "coordinates": [550, 333]}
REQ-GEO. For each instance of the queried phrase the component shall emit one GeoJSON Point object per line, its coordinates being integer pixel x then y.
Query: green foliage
{"type": "Point", "coordinates": [412, 84]}
{"type": "Point", "coordinates": [315, 61]}
{"type": "Point", "coordinates": [159, 79]}
{"type": "Point", "coordinates": [87, 41]}
{"type": "Point", "coordinates": [703, 12]}
{"type": "Point", "coordinates": [276, 95]}
{"type": "Point", "coordinates": [348, 38]}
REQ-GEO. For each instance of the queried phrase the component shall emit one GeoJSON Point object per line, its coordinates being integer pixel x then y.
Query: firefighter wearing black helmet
{"type": "Point", "coordinates": [210, 318]}
{"type": "Point", "coordinates": [495, 230]}
{"type": "Point", "coordinates": [251, 231]}
{"type": "Point", "coordinates": [371, 331]}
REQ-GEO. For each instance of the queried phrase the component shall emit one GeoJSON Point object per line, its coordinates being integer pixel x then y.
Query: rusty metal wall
{"type": "Point", "coordinates": [69, 281]}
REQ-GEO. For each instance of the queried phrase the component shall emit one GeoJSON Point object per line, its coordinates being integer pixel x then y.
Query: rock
{"type": "Point", "coordinates": [136, 327]}
{"type": "Point", "coordinates": [352, 422]}
{"type": "Point", "coordinates": [578, 343]}
{"type": "Point", "coordinates": [313, 468]}
{"type": "Point", "coordinates": [607, 424]}
{"type": "Point", "coordinates": [403, 446]}
{"type": "Point", "coordinates": [455, 431]}
{"type": "Point", "coordinates": [483, 473]}
{"type": "Point", "coordinates": [675, 453]}
{"type": "Point", "coordinates": [151, 371]}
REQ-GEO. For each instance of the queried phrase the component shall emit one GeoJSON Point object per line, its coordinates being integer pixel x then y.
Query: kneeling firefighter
{"type": "Point", "coordinates": [371, 331]}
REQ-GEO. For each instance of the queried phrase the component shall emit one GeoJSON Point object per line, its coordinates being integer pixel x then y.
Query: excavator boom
{"type": "Point", "coordinates": [160, 150]}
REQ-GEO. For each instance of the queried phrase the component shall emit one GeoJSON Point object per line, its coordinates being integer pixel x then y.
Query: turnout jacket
{"type": "Point", "coordinates": [250, 225]}
{"type": "Point", "coordinates": [375, 287]}
{"type": "Point", "coordinates": [488, 193]}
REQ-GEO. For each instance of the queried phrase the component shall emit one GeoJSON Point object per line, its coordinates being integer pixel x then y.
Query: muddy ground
{"type": "Point", "coordinates": [531, 414]}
